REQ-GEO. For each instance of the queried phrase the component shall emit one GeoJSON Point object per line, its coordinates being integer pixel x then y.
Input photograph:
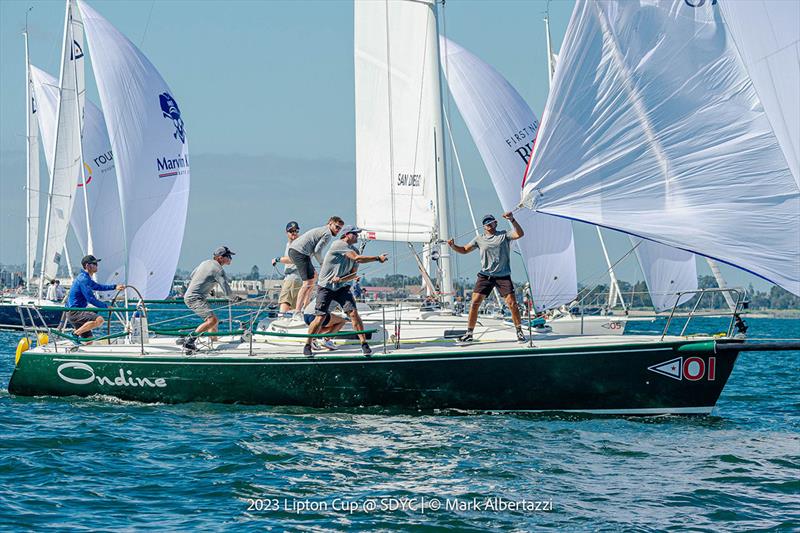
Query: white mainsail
{"type": "Point", "coordinates": [654, 128]}
{"type": "Point", "coordinates": [504, 129]}
{"type": "Point", "coordinates": [398, 125]}
{"type": "Point", "coordinates": [101, 180]}
{"type": "Point", "coordinates": [767, 34]}
{"type": "Point", "coordinates": [32, 177]}
{"type": "Point", "coordinates": [66, 152]}
{"type": "Point", "coordinates": [150, 151]}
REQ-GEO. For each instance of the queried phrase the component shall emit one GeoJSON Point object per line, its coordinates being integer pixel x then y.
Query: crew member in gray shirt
{"type": "Point", "coordinates": [495, 248]}
{"type": "Point", "coordinates": [205, 277]}
{"type": "Point", "coordinates": [337, 272]}
{"type": "Point", "coordinates": [310, 243]}
{"type": "Point", "coordinates": [292, 282]}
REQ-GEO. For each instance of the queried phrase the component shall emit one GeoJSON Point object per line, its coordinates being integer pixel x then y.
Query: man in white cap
{"type": "Point", "coordinates": [205, 277]}
{"type": "Point", "coordinates": [495, 248]}
{"type": "Point", "coordinates": [337, 272]}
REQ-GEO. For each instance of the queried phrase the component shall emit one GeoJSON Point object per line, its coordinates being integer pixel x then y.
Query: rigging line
{"type": "Point", "coordinates": [147, 24]}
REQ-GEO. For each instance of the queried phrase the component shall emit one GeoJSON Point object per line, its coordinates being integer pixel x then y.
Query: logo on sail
{"type": "Point", "coordinates": [87, 175]}
{"type": "Point", "coordinates": [699, 3]}
{"type": "Point", "coordinates": [171, 111]}
{"type": "Point", "coordinates": [76, 52]}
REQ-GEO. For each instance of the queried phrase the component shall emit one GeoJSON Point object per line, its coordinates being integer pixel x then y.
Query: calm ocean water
{"type": "Point", "coordinates": [104, 464]}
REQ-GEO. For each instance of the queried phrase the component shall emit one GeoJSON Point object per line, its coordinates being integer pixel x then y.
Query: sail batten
{"type": "Point", "coordinates": [729, 193]}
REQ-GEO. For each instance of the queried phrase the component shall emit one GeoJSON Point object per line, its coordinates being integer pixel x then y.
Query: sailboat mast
{"type": "Point", "coordinates": [67, 46]}
{"type": "Point", "coordinates": [551, 66]}
{"type": "Point", "coordinates": [28, 156]}
{"type": "Point", "coordinates": [441, 181]}
{"type": "Point", "coordinates": [79, 119]}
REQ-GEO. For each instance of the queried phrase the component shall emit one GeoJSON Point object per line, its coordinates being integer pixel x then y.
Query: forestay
{"type": "Point", "coordinates": [504, 129]}
{"type": "Point", "coordinates": [101, 180]}
{"type": "Point", "coordinates": [66, 154]}
{"type": "Point", "coordinates": [398, 119]}
{"type": "Point", "coordinates": [654, 128]}
{"type": "Point", "coordinates": [150, 150]}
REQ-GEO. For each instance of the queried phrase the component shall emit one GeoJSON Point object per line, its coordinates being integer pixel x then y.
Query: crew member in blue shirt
{"type": "Point", "coordinates": [82, 293]}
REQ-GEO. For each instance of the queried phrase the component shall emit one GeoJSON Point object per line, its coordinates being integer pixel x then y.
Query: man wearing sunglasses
{"type": "Point", "coordinates": [495, 248]}
{"type": "Point", "coordinates": [311, 243]}
{"type": "Point", "coordinates": [81, 294]}
{"type": "Point", "coordinates": [291, 279]}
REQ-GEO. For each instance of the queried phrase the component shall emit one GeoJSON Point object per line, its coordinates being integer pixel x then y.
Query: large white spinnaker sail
{"type": "Point", "coordinates": [65, 161]}
{"type": "Point", "coordinates": [767, 35]}
{"type": "Point", "coordinates": [101, 180]}
{"type": "Point", "coordinates": [653, 127]}
{"type": "Point", "coordinates": [504, 129]}
{"type": "Point", "coordinates": [32, 177]}
{"type": "Point", "coordinates": [150, 151]}
{"type": "Point", "coordinates": [398, 124]}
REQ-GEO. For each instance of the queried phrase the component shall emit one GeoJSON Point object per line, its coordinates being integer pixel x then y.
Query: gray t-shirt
{"type": "Point", "coordinates": [290, 270]}
{"type": "Point", "coordinates": [205, 276]}
{"type": "Point", "coordinates": [495, 253]}
{"type": "Point", "coordinates": [312, 242]}
{"type": "Point", "coordinates": [336, 264]}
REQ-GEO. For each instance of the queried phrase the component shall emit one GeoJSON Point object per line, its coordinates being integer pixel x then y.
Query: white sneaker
{"type": "Point", "coordinates": [315, 345]}
{"type": "Point", "coordinates": [297, 317]}
{"type": "Point", "coordinates": [328, 344]}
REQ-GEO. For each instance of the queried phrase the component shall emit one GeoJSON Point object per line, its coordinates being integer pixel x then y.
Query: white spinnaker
{"type": "Point", "coordinates": [33, 179]}
{"type": "Point", "coordinates": [65, 161]}
{"type": "Point", "coordinates": [767, 35]}
{"type": "Point", "coordinates": [666, 271]}
{"type": "Point", "coordinates": [654, 128]}
{"type": "Point", "coordinates": [504, 130]}
{"type": "Point", "coordinates": [397, 111]}
{"type": "Point", "coordinates": [151, 154]}
{"type": "Point", "coordinates": [104, 211]}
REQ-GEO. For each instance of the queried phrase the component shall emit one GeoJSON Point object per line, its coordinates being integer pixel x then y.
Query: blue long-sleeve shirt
{"type": "Point", "coordinates": [82, 291]}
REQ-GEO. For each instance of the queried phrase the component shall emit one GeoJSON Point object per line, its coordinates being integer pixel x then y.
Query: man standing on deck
{"type": "Point", "coordinates": [291, 279]}
{"type": "Point", "coordinates": [312, 242]}
{"type": "Point", "coordinates": [82, 293]}
{"type": "Point", "coordinates": [55, 292]}
{"type": "Point", "coordinates": [337, 271]}
{"type": "Point", "coordinates": [495, 248]}
{"type": "Point", "coordinates": [205, 277]}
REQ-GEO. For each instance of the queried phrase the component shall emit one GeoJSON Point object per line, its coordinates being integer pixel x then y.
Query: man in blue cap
{"type": "Point", "coordinates": [292, 282]}
{"type": "Point", "coordinates": [81, 294]}
{"type": "Point", "coordinates": [339, 269]}
{"type": "Point", "coordinates": [495, 248]}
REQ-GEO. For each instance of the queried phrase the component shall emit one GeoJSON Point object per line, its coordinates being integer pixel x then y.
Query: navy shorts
{"type": "Point", "coordinates": [485, 284]}
{"type": "Point", "coordinates": [342, 296]}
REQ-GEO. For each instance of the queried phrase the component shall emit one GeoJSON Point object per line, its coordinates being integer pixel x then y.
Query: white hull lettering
{"type": "Point", "coordinates": [83, 374]}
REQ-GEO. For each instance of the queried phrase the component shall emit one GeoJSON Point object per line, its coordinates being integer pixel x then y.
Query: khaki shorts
{"type": "Point", "coordinates": [289, 290]}
{"type": "Point", "coordinates": [199, 306]}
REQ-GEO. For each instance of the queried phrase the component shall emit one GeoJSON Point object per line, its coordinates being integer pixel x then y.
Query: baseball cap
{"type": "Point", "coordinates": [223, 251]}
{"type": "Point", "coordinates": [350, 229]}
{"type": "Point", "coordinates": [89, 259]}
{"type": "Point", "coordinates": [488, 219]}
{"type": "Point", "coordinates": [292, 226]}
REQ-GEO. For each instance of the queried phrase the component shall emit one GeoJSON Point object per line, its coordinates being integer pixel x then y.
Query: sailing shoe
{"type": "Point", "coordinates": [189, 345]}
{"type": "Point", "coordinates": [466, 337]}
{"type": "Point", "coordinates": [365, 349]}
{"type": "Point", "coordinates": [316, 346]}
{"type": "Point", "coordinates": [307, 350]}
{"type": "Point", "coordinates": [328, 344]}
{"type": "Point", "coordinates": [521, 337]}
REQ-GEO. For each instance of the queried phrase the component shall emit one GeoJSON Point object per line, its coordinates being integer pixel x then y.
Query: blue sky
{"type": "Point", "coordinates": [266, 90]}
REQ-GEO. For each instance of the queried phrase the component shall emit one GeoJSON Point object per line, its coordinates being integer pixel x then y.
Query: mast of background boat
{"type": "Point", "coordinates": [79, 118]}
{"type": "Point", "coordinates": [52, 170]}
{"type": "Point", "coordinates": [614, 292]}
{"type": "Point", "coordinates": [31, 158]}
{"type": "Point", "coordinates": [721, 283]}
{"type": "Point", "coordinates": [441, 183]}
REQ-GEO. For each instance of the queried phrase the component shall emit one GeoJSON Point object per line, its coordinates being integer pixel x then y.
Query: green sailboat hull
{"type": "Point", "coordinates": [666, 377]}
